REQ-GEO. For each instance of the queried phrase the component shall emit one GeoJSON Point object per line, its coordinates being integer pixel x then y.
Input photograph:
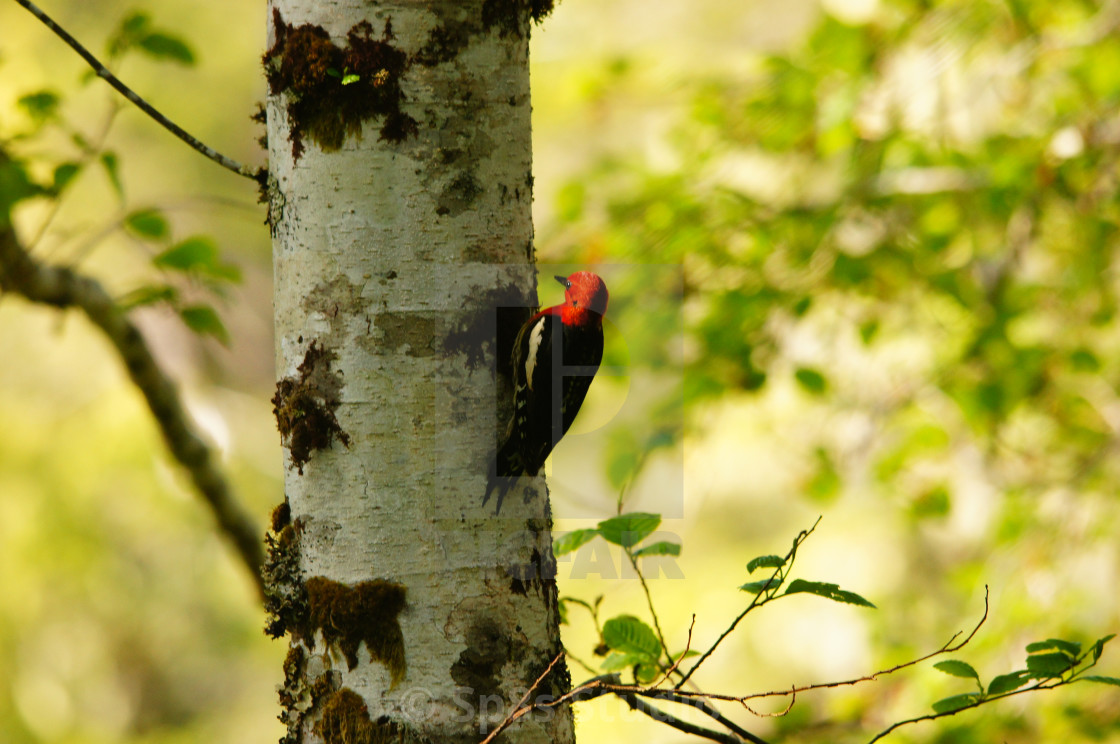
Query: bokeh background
{"type": "Point", "coordinates": [863, 265]}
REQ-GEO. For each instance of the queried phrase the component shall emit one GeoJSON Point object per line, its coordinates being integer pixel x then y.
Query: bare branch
{"type": "Point", "coordinates": [949, 647]}
{"type": "Point", "coordinates": [698, 702]}
{"type": "Point", "coordinates": [945, 714]}
{"type": "Point", "coordinates": [609, 684]}
{"type": "Point", "coordinates": [260, 175]}
{"type": "Point", "coordinates": [756, 602]}
{"type": "Point", "coordinates": [64, 288]}
{"type": "Point", "coordinates": [669, 720]}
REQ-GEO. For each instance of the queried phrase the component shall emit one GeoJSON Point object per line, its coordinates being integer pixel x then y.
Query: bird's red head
{"type": "Point", "coordinates": [585, 298]}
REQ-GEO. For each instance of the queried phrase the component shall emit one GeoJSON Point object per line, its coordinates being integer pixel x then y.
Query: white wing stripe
{"type": "Point", "coordinates": [534, 347]}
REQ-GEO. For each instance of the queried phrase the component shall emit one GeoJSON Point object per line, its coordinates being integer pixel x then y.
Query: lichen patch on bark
{"type": "Point", "coordinates": [348, 615]}
{"type": "Point", "coordinates": [413, 332]}
{"type": "Point", "coordinates": [305, 405]}
{"type": "Point", "coordinates": [333, 90]}
{"type": "Point", "coordinates": [345, 720]}
{"type": "Point", "coordinates": [300, 698]}
{"type": "Point", "coordinates": [285, 600]}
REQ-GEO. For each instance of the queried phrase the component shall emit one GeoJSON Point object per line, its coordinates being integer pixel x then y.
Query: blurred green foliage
{"type": "Point", "coordinates": [896, 241]}
{"type": "Point", "coordinates": [123, 615]}
{"type": "Point", "coordinates": [908, 226]}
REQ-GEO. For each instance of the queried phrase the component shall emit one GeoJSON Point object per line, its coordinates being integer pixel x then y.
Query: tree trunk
{"type": "Point", "coordinates": [399, 148]}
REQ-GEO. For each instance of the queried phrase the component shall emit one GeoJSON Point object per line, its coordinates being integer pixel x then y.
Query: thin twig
{"type": "Point", "coordinates": [519, 710]}
{"type": "Point", "coordinates": [933, 716]}
{"type": "Point", "coordinates": [649, 603]}
{"type": "Point", "coordinates": [801, 537]}
{"type": "Point", "coordinates": [88, 154]}
{"type": "Point", "coordinates": [590, 669]}
{"type": "Point", "coordinates": [63, 288]}
{"type": "Point", "coordinates": [94, 236]}
{"type": "Point", "coordinates": [778, 714]}
{"type": "Point", "coordinates": [257, 174]}
{"type": "Point", "coordinates": [679, 659]}
{"type": "Point", "coordinates": [609, 684]}
{"type": "Point", "coordinates": [948, 648]}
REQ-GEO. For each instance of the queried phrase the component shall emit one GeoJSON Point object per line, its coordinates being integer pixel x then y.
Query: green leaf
{"type": "Point", "coordinates": [573, 540]}
{"type": "Point", "coordinates": [203, 320]}
{"type": "Point", "coordinates": [957, 669]}
{"type": "Point", "coordinates": [131, 29]}
{"type": "Point", "coordinates": [934, 502]}
{"type": "Point", "coordinates": [1046, 666]}
{"type": "Point", "coordinates": [1084, 360]}
{"type": "Point", "coordinates": [351, 78]}
{"type": "Point", "coordinates": [811, 380]}
{"type": "Point", "coordinates": [112, 169]}
{"type": "Point", "coordinates": [63, 175]}
{"type": "Point", "coordinates": [1008, 682]}
{"type": "Point", "coordinates": [15, 184]}
{"type": "Point", "coordinates": [1114, 681]}
{"type": "Point", "coordinates": [616, 662]}
{"type": "Point", "coordinates": [81, 143]}
{"type": "Point", "coordinates": [198, 254]}
{"type": "Point", "coordinates": [659, 548]}
{"type": "Point", "coordinates": [686, 654]}
{"type": "Point", "coordinates": [630, 635]}
{"type": "Point", "coordinates": [147, 223]}
{"type": "Point", "coordinates": [133, 24]}
{"type": "Point", "coordinates": [332, 72]}
{"type": "Point", "coordinates": [755, 587]}
{"type": "Point", "coordinates": [646, 673]}
{"type": "Point", "coordinates": [956, 702]}
{"type": "Point", "coordinates": [828, 591]}
{"type": "Point", "coordinates": [628, 530]}
{"type": "Point", "coordinates": [580, 602]}
{"type": "Point", "coordinates": [147, 296]}
{"type": "Point", "coordinates": [190, 254]}
{"type": "Point", "coordinates": [765, 561]}
{"type": "Point", "coordinates": [1098, 646]}
{"type": "Point", "coordinates": [41, 106]}
{"type": "Point", "coordinates": [1068, 647]}
{"type": "Point", "coordinates": [166, 47]}
{"type": "Point", "coordinates": [868, 330]}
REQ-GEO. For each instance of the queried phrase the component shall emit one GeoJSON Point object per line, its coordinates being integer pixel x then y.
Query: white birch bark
{"type": "Point", "coordinates": [381, 251]}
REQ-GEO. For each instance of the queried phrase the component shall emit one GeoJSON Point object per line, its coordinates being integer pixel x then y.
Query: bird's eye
{"type": "Point", "coordinates": [575, 303]}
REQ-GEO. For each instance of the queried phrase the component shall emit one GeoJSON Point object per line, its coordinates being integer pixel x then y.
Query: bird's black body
{"type": "Point", "coordinates": [548, 395]}
{"type": "Point", "coordinates": [554, 359]}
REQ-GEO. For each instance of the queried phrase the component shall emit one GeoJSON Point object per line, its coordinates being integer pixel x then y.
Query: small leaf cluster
{"type": "Point", "coordinates": [769, 589]}
{"type": "Point", "coordinates": [195, 258]}
{"type": "Point", "coordinates": [625, 530]}
{"type": "Point", "coordinates": [627, 641]}
{"type": "Point", "coordinates": [136, 32]}
{"type": "Point", "coordinates": [1050, 663]}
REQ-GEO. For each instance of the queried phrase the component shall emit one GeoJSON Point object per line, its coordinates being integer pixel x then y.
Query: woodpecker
{"type": "Point", "coordinates": [555, 357]}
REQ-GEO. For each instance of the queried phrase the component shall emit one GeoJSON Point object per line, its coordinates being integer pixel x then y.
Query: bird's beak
{"type": "Point", "coordinates": [564, 281]}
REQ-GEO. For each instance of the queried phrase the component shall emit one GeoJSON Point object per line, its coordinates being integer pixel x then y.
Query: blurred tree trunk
{"type": "Point", "coordinates": [399, 148]}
